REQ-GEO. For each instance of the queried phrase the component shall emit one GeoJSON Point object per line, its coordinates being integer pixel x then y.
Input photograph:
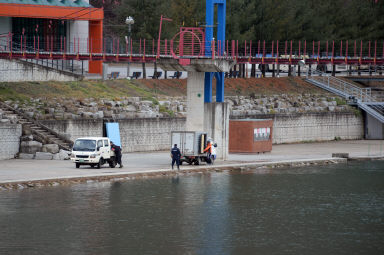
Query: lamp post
{"type": "Point", "coordinates": [129, 21]}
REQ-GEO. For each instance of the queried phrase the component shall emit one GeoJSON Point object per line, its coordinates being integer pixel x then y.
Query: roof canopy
{"type": "Point", "coordinates": [50, 9]}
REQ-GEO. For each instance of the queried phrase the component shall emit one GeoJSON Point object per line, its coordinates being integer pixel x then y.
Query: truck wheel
{"type": "Point", "coordinates": [197, 161]}
{"type": "Point", "coordinates": [112, 163]}
{"type": "Point", "coordinates": [77, 165]}
{"type": "Point", "coordinates": [92, 165]}
{"type": "Point", "coordinates": [99, 165]}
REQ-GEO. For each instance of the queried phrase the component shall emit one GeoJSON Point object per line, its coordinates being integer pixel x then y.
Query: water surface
{"type": "Point", "coordinates": [334, 209]}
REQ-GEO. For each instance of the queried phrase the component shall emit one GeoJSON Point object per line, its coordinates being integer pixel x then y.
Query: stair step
{"type": "Point", "coordinates": [39, 130]}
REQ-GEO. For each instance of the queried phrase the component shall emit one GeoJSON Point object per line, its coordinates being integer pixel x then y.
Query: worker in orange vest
{"type": "Point", "coordinates": [208, 149]}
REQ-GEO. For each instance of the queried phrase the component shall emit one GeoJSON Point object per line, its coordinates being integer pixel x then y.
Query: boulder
{"type": "Point", "coordinates": [99, 115]}
{"type": "Point", "coordinates": [30, 146]}
{"type": "Point", "coordinates": [30, 114]}
{"type": "Point", "coordinates": [51, 148]}
{"type": "Point", "coordinates": [108, 114]}
{"type": "Point", "coordinates": [165, 103]}
{"type": "Point", "coordinates": [26, 156]}
{"type": "Point", "coordinates": [64, 155]}
{"type": "Point", "coordinates": [26, 138]}
{"type": "Point", "coordinates": [147, 103]}
{"type": "Point", "coordinates": [43, 156]}
{"type": "Point", "coordinates": [324, 103]}
{"type": "Point", "coordinates": [133, 99]}
{"type": "Point", "coordinates": [130, 108]}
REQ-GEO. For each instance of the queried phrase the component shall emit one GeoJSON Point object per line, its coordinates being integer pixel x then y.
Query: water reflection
{"type": "Point", "coordinates": [335, 209]}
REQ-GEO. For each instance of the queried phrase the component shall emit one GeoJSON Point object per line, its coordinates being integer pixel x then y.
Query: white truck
{"type": "Point", "coordinates": [93, 151]}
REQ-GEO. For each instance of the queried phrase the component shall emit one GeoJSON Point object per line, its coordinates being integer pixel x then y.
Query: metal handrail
{"type": "Point", "coordinates": [362, 96]}
{"type": "Point", "coordinates": [350, 90]}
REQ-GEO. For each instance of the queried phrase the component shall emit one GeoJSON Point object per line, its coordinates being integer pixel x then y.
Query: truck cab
{"type": "Point", "coordinates": [93, 151]}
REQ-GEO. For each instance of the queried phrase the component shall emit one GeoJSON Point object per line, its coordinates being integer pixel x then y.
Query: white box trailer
{"type": "Point", "coordinates": [191, 145]}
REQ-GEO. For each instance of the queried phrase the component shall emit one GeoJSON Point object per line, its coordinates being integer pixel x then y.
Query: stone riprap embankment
{"type": "Point", "coordinates": [135, 107]}
{"type": "Point", "coordinates": [31, 149]}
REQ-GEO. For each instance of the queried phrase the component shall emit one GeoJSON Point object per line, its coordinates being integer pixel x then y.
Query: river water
{"type": "Point", "coordinates": [336, 209]}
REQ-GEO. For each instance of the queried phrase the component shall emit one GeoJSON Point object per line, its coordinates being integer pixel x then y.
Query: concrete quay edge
{"type": "Point", "coordinates": [120, 176]}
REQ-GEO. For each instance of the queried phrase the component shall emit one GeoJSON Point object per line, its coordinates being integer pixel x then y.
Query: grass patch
{"type": "Point", "coordinates": [340, 101]}
{"type": "Point", "coordinates": [75, 90]}
{"type": "Point", "coordinates": [163, 109]}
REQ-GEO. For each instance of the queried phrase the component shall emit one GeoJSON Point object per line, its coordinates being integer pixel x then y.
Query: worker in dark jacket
{"type": "Point", "coordinates": [118, 155]}
{"type": "Point", "coordinates": [175, 154]}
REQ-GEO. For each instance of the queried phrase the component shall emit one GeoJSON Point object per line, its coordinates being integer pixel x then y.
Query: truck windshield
{"type": "Point", "coordinates": [84, 145]}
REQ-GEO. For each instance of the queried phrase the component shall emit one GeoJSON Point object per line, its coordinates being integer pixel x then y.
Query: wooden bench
{"type": "Point", "coordinates": [176, 75]}
{"type": "Point", "coordinates": [156, 75]}
{"type": "Point", "coordinates": [135, 75]}
{"type": "Point", "coordinates": [114, 75]}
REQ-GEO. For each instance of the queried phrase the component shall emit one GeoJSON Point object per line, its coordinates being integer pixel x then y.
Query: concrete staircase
{"type": "Point", "coordinates": [40, 132]}
{"type": "Point", "coordinates": [362, 97]}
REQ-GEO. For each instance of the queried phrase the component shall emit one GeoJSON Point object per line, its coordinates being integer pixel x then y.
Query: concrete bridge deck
{"type": "Point", "coordinates": [21, 172]}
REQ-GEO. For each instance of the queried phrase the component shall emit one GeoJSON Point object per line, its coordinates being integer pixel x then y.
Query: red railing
{"type": "Point", "coordinates": [191, 45]}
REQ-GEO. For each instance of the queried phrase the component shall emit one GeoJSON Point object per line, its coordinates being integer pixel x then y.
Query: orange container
{"type": "Point", "coordinates": [250, 135]}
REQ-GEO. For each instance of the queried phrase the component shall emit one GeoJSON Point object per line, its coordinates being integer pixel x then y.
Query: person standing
{"type": "Point", "coordinates": [117, 150]}
{"type": "Point", "coordinates": [175, 154]}
{"type": "Point", "coordinates": [213, 153]}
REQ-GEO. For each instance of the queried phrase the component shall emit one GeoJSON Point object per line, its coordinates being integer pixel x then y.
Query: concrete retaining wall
{"type": "Point", "coordinates": [149, 134]}
{"type": "Point", "coordinates": [16, 70]}
{"type": "Point", "coordinates": [373, 128]}
{"type": "Point", "coordinates": [154, 133]}
{"type": "Point", "coordinates": [73, 129]}
{"type": "Point", "coordinates": [324, 126]}
{"type": "Point", "coordinates": [9, 140]}
{"type": "Point", "coordinates": [317, 127]}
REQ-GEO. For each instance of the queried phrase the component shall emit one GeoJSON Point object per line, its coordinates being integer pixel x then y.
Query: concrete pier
{"type": "Point", "coordinates": [212, 118]}
{"type": "Point", "coordinates": [195, 101]}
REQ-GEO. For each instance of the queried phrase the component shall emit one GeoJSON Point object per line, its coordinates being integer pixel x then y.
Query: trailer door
{"type": "Point", "coordinates": [189, 142]}
{"type": "Point", "coordinates": [176, 139]}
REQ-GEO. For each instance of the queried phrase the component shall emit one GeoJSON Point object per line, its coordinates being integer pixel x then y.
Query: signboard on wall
{"type": "Point", "coordinates": [261, 134]}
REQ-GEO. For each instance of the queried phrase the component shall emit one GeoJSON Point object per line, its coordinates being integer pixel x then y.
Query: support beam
{"type": "Point", "coordinates": [195, 101]}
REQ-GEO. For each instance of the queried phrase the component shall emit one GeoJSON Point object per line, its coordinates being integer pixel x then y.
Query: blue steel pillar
{"type": "Point", "coordinates": [209, 18]}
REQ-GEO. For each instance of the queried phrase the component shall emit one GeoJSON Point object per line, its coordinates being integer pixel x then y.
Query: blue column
{"type": "Point", "coordinates": [219, 87]}
{"type": "Point", "coordinates": [209, 18]}
{"type": "Point", "coordinates": [208, 87]}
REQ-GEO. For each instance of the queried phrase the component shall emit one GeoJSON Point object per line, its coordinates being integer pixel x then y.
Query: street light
{"type": "Point", "coordinates": [129, 21]}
